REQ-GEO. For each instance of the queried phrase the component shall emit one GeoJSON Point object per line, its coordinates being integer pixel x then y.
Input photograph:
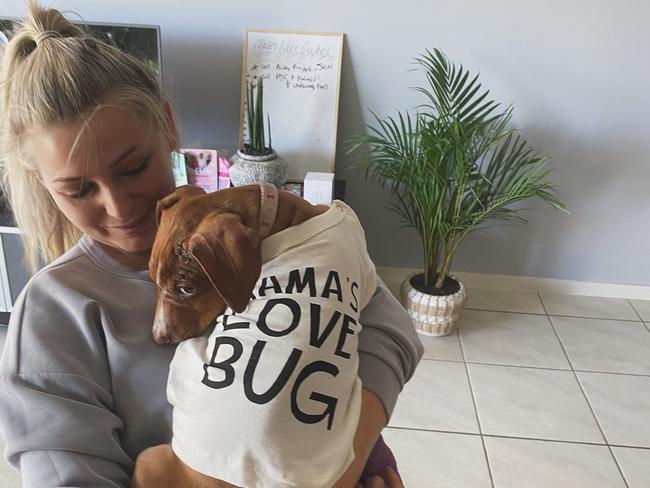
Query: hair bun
{"type": "Point", "coordinates": [43, 24]}
{"type": "Point", "coordinates": [45, 35]}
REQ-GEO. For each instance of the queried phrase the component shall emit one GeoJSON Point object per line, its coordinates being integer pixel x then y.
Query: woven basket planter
{"type": "Point", "coordinates": [432, 315]}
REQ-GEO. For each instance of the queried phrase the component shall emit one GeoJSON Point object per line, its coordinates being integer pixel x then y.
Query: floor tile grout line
{"type": "Point", "coordinates": [542, 314]}
{"type": "Point", "coordinates": [611, 451]}
{"type": "Point", "coordinates": [495, 364]}
{"type": "Point", "coordinates": [609, 319]}
{"type": "Point", "coordinates": [557, 336]}
{"type": "Point", "coordinates": [562, 441]}
{"type": "Point", "coordinates": [502, 365]}
{"type": "Point", "coordinates": [584, 394]}
{"type": "Point", "coordinates": [635, 310]}
{"type": "Point", "coordinates": [543, 368]}
{"type": "Point", "coordinates": [645, 324]}
{"type": "Point", "coordinates": [504, 311]}
{"type": "Point", "coordinates": [538, 314]}
{"type": "Point", "coordinates": [503, 436]}
{"type": "Point", "coordinates": [478, 420]}
{"type": "Point", "coordinates": [637, 375]}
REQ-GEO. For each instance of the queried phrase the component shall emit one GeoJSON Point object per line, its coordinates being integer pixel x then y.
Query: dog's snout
{"type": "Point", "coordinates": [161, 332]}
{"type": "Point", "coordinates": [162, 337]}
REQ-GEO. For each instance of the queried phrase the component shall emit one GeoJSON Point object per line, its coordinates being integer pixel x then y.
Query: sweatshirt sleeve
{"type": "Point", "coordinates": [56, 407]}
{"type": "Point", "coordinates": [389, 348]}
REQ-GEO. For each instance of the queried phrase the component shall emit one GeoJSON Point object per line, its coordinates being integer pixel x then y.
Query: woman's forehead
{"type": "Point", "coordinates": [94, 142]}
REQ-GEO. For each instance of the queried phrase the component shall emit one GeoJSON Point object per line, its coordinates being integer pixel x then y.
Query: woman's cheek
{"type": "Point", "coordinates": [81, 213]}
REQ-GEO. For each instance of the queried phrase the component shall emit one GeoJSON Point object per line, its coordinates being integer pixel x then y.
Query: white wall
{"type": "Point", "coordinates": [577, 73]}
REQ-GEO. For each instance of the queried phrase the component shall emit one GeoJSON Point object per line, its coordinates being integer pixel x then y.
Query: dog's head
{"type": "Point", "coordinates": [203, 258]}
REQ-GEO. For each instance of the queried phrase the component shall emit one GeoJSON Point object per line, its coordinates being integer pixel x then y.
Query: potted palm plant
{"type": "Point", "coordinates": [255, 160]}
{"type": "Point", "coordinates": [450, 167]}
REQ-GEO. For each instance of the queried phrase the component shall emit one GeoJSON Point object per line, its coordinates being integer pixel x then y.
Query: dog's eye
{"type": "Point", "coordinates": [185, 290]}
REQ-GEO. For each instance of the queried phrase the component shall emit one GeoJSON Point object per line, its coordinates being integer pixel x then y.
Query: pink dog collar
{"type": "Point", "coordinates": [268, 207]}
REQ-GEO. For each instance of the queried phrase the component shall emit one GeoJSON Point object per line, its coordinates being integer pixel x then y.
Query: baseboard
{"type": "Point", "coordinates": [394, 277]}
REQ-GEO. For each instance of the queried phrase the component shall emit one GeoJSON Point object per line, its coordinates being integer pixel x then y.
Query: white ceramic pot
{"type": "Point", "coordinates": [432, 315]}
{"type": "Point", "coordinates": [247, 169]}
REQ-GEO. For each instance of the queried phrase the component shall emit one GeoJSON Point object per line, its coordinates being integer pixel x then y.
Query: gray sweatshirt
{"type": "Point", "coordinates": [83, 384]}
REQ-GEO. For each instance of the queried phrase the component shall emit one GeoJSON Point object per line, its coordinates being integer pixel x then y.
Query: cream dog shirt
{"type": "Point", "coordinates": [270, 397]}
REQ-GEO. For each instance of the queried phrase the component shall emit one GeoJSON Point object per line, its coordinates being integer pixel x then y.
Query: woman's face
{"type": "Point", "coordinates": [107, 184]}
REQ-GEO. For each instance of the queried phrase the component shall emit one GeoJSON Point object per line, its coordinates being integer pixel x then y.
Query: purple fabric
{"type": "Point", "coordinates": [380, 458]}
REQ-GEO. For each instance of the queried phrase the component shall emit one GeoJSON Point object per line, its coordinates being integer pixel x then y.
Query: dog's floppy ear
{"type": "Point", "coordinates": [174, 197]}
{"type": "Point", "coordinates": [229, 253]}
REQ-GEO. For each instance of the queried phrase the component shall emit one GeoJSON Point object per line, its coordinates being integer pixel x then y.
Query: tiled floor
{"type": "Point", "coordinates": [532, 391]}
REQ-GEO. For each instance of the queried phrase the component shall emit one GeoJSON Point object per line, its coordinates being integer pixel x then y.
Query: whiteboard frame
{"type": "Point", "coordinates": [244, 67]}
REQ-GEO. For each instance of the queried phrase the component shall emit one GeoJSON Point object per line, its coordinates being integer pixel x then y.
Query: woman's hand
{"type": "Point", "coordinates": [390, 480]}
{"type": "Point", "coordinates": [372, 421]}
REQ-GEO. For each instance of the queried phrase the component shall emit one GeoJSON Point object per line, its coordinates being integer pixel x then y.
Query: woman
{"type": "Point", "coordinates": [85, 148]}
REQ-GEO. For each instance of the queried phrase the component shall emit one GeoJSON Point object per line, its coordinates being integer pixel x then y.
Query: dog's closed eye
{"type": "Point", "coordinates": [185, 290]}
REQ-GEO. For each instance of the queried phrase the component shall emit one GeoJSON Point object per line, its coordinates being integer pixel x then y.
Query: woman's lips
{"type": "Point", "coordinates": [132, 227]}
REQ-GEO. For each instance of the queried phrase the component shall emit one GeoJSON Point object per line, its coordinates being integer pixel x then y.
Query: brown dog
{"type": "Point", "coordinates": [202, 262]}
{"type": "Point", "coordinates": [210, 257]}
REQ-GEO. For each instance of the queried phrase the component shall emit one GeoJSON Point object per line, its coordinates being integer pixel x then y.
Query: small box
{"type": "Point", "coordinates": [294, 187]}
{"type": "Point", "coordinates": [224, 172]}
{"type": "Point", "coordinates": [178, 167]}
{"type": "Point", "coordinates": [206, 168]}
{"type": "Point", "coordinates": [319, 188]}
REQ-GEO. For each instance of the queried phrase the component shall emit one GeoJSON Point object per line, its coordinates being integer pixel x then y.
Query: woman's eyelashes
{"type": "Point", "coordinates": [87, 189]}
{"type": "Point", "coordinates": [83, 192]}
{"type": "Point", "coordinates": [137, 170]}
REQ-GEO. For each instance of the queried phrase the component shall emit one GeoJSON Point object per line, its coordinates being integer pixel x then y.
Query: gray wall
{"type": "Point", "coordinates": [578, 74]}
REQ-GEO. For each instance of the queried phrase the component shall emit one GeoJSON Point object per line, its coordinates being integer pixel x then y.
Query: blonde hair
{"type": "Point", "coordinates": [53, 74]}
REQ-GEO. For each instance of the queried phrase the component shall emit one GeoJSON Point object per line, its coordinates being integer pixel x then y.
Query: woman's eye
{"type": "Point", "coordinates": [83, 192]}
{"type": "Point", "coordinates": [185, 290]}
{"type": "Point", "coordinates": [136, 171]}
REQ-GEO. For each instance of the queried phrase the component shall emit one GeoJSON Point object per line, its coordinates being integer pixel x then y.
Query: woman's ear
{"type": "Point", "coordinates": [172, 134]}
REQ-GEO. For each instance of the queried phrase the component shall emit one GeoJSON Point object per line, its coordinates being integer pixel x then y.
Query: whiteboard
{"type": "Point", "coordinates": [301, 73]}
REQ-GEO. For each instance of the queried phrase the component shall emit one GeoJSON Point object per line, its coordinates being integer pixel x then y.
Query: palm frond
{"type": "Point", "coordinates": [454, 164]}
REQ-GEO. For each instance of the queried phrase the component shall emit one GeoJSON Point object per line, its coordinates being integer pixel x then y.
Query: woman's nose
{"type": "Point", "coordinates": [117, 204]}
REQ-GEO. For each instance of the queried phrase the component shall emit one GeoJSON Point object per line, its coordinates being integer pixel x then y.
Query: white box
{"type": "Point", "coordinates": [319, 188]}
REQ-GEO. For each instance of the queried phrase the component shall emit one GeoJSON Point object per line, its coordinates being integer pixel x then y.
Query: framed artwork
{"type": "Point", "coordinates": [140, 41]}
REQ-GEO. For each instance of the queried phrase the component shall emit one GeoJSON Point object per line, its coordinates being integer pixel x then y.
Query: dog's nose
{"type": "Point", "coordinates": [162, 338]}
{"type": "Point", "coordinates": [161, 329]}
